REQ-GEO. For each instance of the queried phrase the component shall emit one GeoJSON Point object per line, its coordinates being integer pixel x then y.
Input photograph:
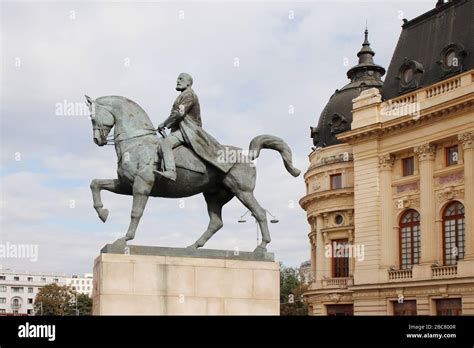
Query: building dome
{"type": "Point", "coordinates": [336, 117]}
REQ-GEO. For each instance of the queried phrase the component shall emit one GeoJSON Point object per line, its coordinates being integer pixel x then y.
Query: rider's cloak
{"type": "Point", "coordinates": [206, 146]}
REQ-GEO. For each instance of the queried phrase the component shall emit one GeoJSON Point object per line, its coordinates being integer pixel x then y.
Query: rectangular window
{"type": "Point", "coordinates": [404, 308]}
{"type": "Point", "coordinates": [340, 310]}
{"type": "Point", "coordinates": [29, 312]}
{"type": "Point", "coordinates": [408, 166]}
{"type": "Point", "coordinates": [2, 310]}
{"type": "Point", "coordinates": [336, 181]}
{"type": "Point", "coordinates": [30, 290]}
{"type": "Point", "coordinates": [449, 307]}
{"type": "Point", "coordinates": [340, 258]}
{"type": "Point", "coordinates": [55, 280]}
{"type": "Point", "coordinates": [43, 279]}
{"type": "Point", "coordinates": [452, 155]}
{"type": "Point", "coordinates": [2, 277]}
{"type": "Point", "coordinates": [30, 300]}
{"type": "Point", "coordinates": [30, 279]}
{"type": "Point", "coordinates": [17, 279]}
{"type": "Point", "coordinates": [17, 289]}
{"type": "Point", "coordinates": [3, 300]}
{"type": "Point", "coordinates": [3, 288]}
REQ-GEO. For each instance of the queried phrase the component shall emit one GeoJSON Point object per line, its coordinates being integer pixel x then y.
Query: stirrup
{"type": "Point", "coordinates": [168, 174]}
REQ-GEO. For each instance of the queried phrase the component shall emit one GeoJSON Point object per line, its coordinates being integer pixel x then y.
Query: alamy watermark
{"type": "Point", "coordinates": [237, 156]}
{"type": "Point", "coordinates": [391, 110]}
{"type": "Point", "coordinates": [19, 251]}
{"type": "Point", "coordinates": [28, 330]}
{"type": "Point", "coordinates": [342, 250]}
{"type": "Point", "coordinates": [69, 108]}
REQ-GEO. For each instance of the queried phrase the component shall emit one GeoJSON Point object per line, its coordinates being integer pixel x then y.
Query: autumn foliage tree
{"type": "Point", "coordinates": [53, 299]}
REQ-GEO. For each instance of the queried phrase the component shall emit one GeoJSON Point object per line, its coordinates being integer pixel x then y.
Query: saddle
{"type": "Point", "coordinates": [186, 158]}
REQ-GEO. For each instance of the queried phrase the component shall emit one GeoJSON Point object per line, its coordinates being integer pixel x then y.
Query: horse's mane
{"type": "Point", "coordinates": [107, 100]}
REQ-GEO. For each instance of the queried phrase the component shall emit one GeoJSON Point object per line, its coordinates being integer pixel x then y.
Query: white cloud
{"type": "Point", "coordinates": [282, 62]}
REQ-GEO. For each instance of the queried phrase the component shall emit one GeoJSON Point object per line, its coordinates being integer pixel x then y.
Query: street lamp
{"type": "Point", "coordinates": [242, 220]}
{"type": "Point", "coordinates": [74, 301]}
{"type": "Point", "coordinates": [274, 220]}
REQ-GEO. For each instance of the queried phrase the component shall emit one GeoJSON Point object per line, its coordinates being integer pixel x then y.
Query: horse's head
{"type": "Point", "coordinates": [102, 121]}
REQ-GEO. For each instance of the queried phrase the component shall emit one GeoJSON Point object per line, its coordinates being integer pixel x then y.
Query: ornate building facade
{"type": "Point", "coordinates": [390, 186]}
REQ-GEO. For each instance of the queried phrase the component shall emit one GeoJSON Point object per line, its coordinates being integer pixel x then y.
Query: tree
{"type": "Point", "coordinates": [84, 305]}
{"type": "Point", "coordinates": [292, 283]}
{"type": "Point", "coordinates": [53, 299]}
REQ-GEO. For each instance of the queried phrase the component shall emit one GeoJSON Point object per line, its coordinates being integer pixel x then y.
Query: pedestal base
{"type": "Point", "coordinates": [153, 284]}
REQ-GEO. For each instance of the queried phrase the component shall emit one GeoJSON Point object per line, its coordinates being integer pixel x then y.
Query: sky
{"type": "Point", "coordinates": [259, 67]}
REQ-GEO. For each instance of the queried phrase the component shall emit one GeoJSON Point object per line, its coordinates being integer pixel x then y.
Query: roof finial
{"type": "Point", "coordinates": [366, 70]}
{"type": "Point", "coordinates": [366, 53]}
{"type": "Point", "coordinates": [366, 40]}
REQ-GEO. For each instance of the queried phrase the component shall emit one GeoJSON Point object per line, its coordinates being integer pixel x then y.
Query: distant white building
{"type": "Point", "coordinates": [82, 285]}
{"type": "Point", "coordinates": [305, 272]}
{"type": "Point", "coordinates": [18, 289]}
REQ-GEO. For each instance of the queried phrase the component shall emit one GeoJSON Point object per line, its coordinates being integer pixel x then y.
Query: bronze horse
{"type": "Point", "coordinates": [136, 145]}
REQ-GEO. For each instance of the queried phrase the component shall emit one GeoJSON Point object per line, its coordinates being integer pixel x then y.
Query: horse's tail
{"type": "Point", "coordinates": [266, 141]}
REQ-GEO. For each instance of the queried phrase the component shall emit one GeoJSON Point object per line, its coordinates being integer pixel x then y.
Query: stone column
{"type": "Point", "coordinates": [312, 240]}
{"type": "Point", "coordinates": [440, 241]}
{"type": "Point", "coordinates": [320, 264]}
{"type": "Point", "coordinates": [467, 141]}
{"type": "Point", "coordinates": [426, 156]}
{"type": "Point", "coordinates": [312, 274]}
{"type": "Point", "coordinates": [354, 256]}
{"type": "Point", "coordinates": [389, 239]}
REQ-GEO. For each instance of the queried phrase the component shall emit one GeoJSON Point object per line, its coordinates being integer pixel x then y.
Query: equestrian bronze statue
{"type": "Point", "coordinates": [183, 163]}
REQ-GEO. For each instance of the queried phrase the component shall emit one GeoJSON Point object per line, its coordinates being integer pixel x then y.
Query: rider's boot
{"type": "Point", "coordinates": [166, 152]}
{"type": "Point", "coordinates": [169, 174]}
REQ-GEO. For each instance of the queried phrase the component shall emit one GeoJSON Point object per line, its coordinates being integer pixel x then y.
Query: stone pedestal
{"type": "Point", "coordinates": [172, 281]}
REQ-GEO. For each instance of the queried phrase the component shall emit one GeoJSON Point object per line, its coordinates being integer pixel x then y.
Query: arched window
{"type": "Point", "coordinates": [16, 304]}
{"type": "Point", "coordinates": [453, 233]}
{"type": "Point", "coordinates": [409, 239]}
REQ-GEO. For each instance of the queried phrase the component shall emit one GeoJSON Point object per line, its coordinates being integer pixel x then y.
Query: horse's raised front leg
{"type": "Point", "coordinates": [141, 191]}
{"type": "Point", "coordinates": [112, 185]}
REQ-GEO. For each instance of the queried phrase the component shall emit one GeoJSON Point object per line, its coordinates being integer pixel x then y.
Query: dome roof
{"type": "Point", "coordinates": [424, 44]}
{"type": "Point", "coordinates": [336, 117]}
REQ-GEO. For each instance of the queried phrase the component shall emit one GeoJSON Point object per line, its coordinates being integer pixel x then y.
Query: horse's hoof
{"type": "Point", "coordinates": [122, 240]}
{"type": "Point", "coordinates": [120, 243]}
{"type": "Point", "coordinates": [103, 214]}
{"type": "Point", "coordinates": [260, 250]}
